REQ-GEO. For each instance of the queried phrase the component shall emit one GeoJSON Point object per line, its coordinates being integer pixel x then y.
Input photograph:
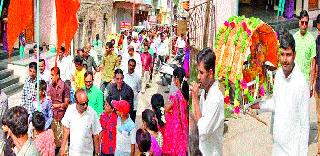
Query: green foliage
{"type": "Point", "coordinates": [193, 77]}
{"type": "Point", "coordinates": [176, 2]}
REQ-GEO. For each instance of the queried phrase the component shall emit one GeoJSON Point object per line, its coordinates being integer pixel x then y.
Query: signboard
{"type": "Point", "coordinates": [124, 25]}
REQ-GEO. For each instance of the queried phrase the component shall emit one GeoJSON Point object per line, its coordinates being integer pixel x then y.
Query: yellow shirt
{"type": "Point", "coordinates": [79, 78]}
{"type": "Point", "coordinates": [109, 63]}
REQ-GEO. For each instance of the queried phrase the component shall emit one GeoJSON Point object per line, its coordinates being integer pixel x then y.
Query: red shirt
{"type": "Point", "coordinates": [109, 129]}
{"type": "Point", "coordinates": [146, 60]}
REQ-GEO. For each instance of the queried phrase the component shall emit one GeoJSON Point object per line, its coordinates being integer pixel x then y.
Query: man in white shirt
{"type": "Point", "coordinates": [131, 54]}
{"type": "Point", "coordinates": [163, 50]}
{"type": "Point", "coordinates": [44, 73]}
{"type": "Point", "coordinates": [134, 81]}
{"type": "Point", "coordinates": [136, 44]}
{"type": "Point", "coordinates": [82, 124]}
{"type": "Point", "coordinates": [209, 108]}
{"type": "Point", "coordinates": [290, 104]}
{"type": "Point", "coordinates": [65, 65]}
{"type": "Point", "coordinates": [180, 45]}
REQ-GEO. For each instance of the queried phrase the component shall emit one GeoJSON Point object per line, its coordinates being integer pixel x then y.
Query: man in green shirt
{"type": "Point", "coordinates": [94, 94]}
{"type": "Point", "coordinates": [305, 50]}
{"type": "Point", "coordinates": [108, 65]}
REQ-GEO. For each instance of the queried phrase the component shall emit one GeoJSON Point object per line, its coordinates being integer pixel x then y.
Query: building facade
{"type": "Point", "coordinates": [95, 17]}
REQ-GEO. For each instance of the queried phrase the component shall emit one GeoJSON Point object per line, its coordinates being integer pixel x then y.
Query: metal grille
{"type": "Point", "coordinates": [197, 18]}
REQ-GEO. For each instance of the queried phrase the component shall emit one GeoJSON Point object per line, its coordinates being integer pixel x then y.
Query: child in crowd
{"type": "Point", "coordinates": [150, 124]}
{"type": "Point", "coordinates": [44, 106]}
{"type": "Point", "coordinates": [108, 121]}
{"type": "Point", "coordinates": [6, 143]}
{"type": "Point", "coordinates": [68, 83]}
{"type": "Point", "coordinates": [147, 63]}
{"type": "Point", "coordinates": [143, 139]}
{"type": "Point", "coordinates": [126, 129]}
{"type": "Point", "coordinates": [79, 73]}
{"type": "Point", "coordinates": [157, 103]}
{"type": "Point", "coordinates": [44, 139]}
{"type": "Point", "coordinates": [119, 61]}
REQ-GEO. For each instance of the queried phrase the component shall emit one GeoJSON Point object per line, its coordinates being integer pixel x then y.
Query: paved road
{"type": "Point", "coordinates": [248, 136]}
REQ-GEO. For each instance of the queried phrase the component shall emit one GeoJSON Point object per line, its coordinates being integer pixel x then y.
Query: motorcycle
{"type": "Point", "coordinates": [166, 71]}
{"type": "Point", "coordinates": [179, 57]}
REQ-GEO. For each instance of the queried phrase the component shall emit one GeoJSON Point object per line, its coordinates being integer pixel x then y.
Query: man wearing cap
{"type": "Point", "coordinates": [131, 54]}
{"type": "Point", "coordinates": [82, 124]}
{"type": "Point", "coordinates": [126, 129]}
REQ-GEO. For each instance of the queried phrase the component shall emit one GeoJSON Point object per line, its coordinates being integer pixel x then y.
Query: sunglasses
{"type": "Point", "coordinates": [84, 104]}
{"type": "Point", "coordinates": [304, 22]}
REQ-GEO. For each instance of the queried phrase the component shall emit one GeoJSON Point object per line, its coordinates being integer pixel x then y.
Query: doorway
{"type": "Point", "coordinates": [313, 4]}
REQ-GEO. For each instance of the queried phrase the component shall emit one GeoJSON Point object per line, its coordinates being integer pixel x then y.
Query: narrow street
{"type": "Point", "coordinates": [144, 99]}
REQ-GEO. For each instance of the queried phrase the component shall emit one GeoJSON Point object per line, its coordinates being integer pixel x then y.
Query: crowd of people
{"type": "Point", "coordinates": [75, 117]}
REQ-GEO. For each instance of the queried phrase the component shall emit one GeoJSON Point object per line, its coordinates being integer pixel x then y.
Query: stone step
{"type": "Point", "coordinates": [13, 79]}
{"type": "Point", "coordinates": [14, 88]}
{"type": "Point", "coordinates": [16, 60]}
{"type": "Point", "coordinates": [4, 73]}
{"type": "Point", "coordinates": [3, 65]}
{"type": "Point", "coordinates": [4, 55]}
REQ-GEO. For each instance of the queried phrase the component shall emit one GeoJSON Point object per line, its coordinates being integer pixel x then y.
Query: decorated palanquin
{"type": "Point", "coordinates": [247, 51]}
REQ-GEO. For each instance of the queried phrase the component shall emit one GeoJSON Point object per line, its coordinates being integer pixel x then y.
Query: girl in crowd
{"type": "Point", "coordinates": [44, 139]}
{"type": "Point", "coordinates": [157, 104]}
{"type": "Point", "coordinates": [143, 139]}
{"type": "Point", "coordinates": [108, 121]}
{"type": "Point", "coordinates": [44, 106]}
{"type": "Point", "coordinates": [150, 124]}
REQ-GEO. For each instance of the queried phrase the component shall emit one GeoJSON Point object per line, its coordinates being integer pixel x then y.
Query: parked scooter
{"type": "Point", "coordinates": [166, 72]}
{"type": "Point", "coordinates": [179, 58]}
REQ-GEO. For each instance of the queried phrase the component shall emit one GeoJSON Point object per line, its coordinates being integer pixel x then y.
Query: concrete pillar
{"type": "Point", "coordinates": [224, 10]}
{"type": "Point", "coordinates": [100, 25]}
{"type": "Point", "coordinates": [299, 6]}
{"type": "Point", "coordinates": [48, 27]}
{"type": "Point", "coordinates": [84, 33]}
{"type": "Point", "coordinates": [53, 32]}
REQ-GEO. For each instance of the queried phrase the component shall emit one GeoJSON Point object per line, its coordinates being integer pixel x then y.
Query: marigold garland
{"type": "Point", "coordinates": [241, 28]}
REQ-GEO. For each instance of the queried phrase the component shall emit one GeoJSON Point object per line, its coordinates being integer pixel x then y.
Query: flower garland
{"type": "Point", "coordinates": [227, 27]}
{"type": "Point", "coordinates": [243, 28]}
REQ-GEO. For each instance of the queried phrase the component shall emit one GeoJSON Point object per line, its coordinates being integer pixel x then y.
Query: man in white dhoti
{"type": "Point", "coordinates": [208, 109]}
{"type": "Point", "coordinates": [290, 104]}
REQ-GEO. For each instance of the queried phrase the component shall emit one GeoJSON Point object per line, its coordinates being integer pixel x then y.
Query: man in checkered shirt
{"type": "Point", "coordinates": [28, 92]}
